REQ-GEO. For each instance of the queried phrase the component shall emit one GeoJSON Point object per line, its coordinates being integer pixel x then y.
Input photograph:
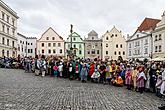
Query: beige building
{"type": "Point", "coordinates": [159, 39]}
{"type": "Point", "coordinates": [93, 46]}
{"type": "Point", "coordinates": [113, 44]}
{"type": "Point", "coordinates": [50, 43]}
{"type": "Point", "coordinates": [8, 31]}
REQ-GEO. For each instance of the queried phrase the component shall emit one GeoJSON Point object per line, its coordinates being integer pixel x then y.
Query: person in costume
{"type": "Point", "coordinates": [141, 79]}
{"type": "Point", "coordinates": [84, 73]}
{"type": "Point", "coordinates": [128, 77]}
{"type": "Point", "coordinates": [95, 76]}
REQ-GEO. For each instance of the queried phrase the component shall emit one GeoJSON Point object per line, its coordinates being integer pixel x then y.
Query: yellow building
{"type": "Point", "coordinates": [113, 44]}
{"type": "Point", "coordinates": [8, 31]}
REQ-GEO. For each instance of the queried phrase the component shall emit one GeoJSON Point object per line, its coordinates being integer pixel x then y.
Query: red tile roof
{"type": "Point", "coordinates": [147, 24]}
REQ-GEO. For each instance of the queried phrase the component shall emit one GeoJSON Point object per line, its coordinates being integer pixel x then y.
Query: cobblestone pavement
{"type": "Point", "coordinates": [24, 91]}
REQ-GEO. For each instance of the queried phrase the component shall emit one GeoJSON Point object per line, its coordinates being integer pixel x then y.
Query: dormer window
{"type": "Point", "coordinates": [137, 35]}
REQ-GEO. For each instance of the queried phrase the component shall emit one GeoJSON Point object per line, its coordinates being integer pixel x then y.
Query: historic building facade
{"type": "Point", "coordinates": [139, 45]}
{"type": "Point", "coordinates": [159, 39]}
{"type": "Point", "coordinates": [8, 31]}
{"type": "Point", "coordinates": [26, 46]}
{"type": "Point", "coordinates": [93, 46]}
{"type": "Point", "coordinates": [113, 44]}
{"type": "Point", "coordinates": [50, 43]}
{"type": "Point", "coordinates": [77, 45]}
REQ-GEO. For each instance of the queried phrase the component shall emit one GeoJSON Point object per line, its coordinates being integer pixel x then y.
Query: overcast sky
{"type": "Point", "coordinates": [100, 15]}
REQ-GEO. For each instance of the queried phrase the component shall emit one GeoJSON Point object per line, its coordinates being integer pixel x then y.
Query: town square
{"type": "Point", "coordinates": [82, 55]}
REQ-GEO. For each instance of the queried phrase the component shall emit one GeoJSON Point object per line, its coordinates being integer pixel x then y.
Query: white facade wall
{"type": "Point", "coordinates": [8, 31]}
{"type": "Point", "coordinates": [139, 46]}
{"type": "Point", "coordinates": [159, 39]}
{"type": "Point", "coordinates": [51, 46]}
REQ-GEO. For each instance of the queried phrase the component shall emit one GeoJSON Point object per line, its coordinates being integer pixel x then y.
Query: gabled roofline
{"type": "Point", "coordinates": [47, 31]}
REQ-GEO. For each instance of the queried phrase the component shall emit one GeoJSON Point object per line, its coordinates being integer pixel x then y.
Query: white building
{"type": "Point", "coordinates": [8, 31]}
{"type": "Point", "coordinates": [50, 43]}
{"type": "Point", "coordinates": [159, 39]}
{"type": "Point", "coordinates": [139, 45]}
{"type": "Point", "coordinates": [26, 46]}
{"type": "Point", "coordinates": [113, 44]}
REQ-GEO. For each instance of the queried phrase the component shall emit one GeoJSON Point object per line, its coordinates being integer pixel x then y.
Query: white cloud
{"type": "Point", "coordinates": [100, 15]}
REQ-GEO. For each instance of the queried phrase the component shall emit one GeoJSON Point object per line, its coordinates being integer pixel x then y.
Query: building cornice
{"type": "Point", "coordinates": [5, 6]}
{"type": "Point", "coordinates": [159, 29]}
{"type": "Point", "coordinates": [149, 35]}
{"type": "Point", "coordinates": [12, 37]}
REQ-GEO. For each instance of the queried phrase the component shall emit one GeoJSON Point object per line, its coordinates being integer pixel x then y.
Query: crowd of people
{"type": "Point", "coordinates": [139, 76]}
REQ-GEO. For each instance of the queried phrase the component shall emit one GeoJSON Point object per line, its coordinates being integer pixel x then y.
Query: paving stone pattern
{"type": "Point", "coordinates": [25, 91]}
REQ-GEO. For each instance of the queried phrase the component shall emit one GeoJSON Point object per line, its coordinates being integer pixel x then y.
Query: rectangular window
{"type": "Point", "coordinates": [74, 45]}
{"type": "Point", "coordinates": [31, 50]}
{"type": "Point", "coordinates": [3, 16]}
{"type": "Point", "coordinates": [160, 37]}
{"type": "Point", "coordinates": [129, 53]}
{"type": "Point", "coordinates": [123, 53]}
{"type": "Point", "coordinates": [146, 51]}
{"type": "Point", "coordinates": [49, 51]}
{"type": "Point", "coordinates": [3, 28]}
{"type": "Point", "coordinates": [54, 44]}
{"type": "Point", "coordinates": [7, 30]}
{"type": "Point", "coordinates": [160, 48]}
{"type": "Point", "coordinates": [7, 42]}
{"type": "Point", "coordinates": [13, 21]}
{"type": "Point", "coordinates": [42, 51]}
{"type": "Point", "coordinates": [3, 40]}
{"type": "Point", "coordinates": [119, 53]}
{"type": "Point", "coordinates": [60, 50]}
{"type": "Point", "coordinates": [98, 52]}
{"type": "Point", "coordinates": [95, 44]}
{"type": "Point", "coordinates": [12, 43]}
{"type": "Point", "coordinates": [59, 44]}
{"type": "Point", "coordinates": [115, 53]}
{"type": "Point", "coordinates": [80, 46]}
{"type": "Point", "coordinates": [80, 52]}
{"type": "Point", "coordinates": [129, 45]}
{"type": "Point", "coordinates": [121, 46]}
{"type": "Point", "coordinates": [28, 50]}
{"type": "Point", "coordinates": [93, 52]}
{"type": "Point", "coordinates": [106, 45]}
{"type": "Point", "coordinates": [13, 31]}
{"type": "Point", "coordinates": [53, 38]}
{"type": "Point", "coordinates": [42, 44]}
{"type": "Point", "coordinates": [146, 41]}
{"type": "Point", "coordinates": [54, 51]}
{"type": "Point", "coordinates": [106, 52]}
{"type": "Point", "coordinates": [156, 37]}
{"type": "Point", "coordinates": [156, 48]}
{"type": "Point", "coordinates": [7, 19]}
{"type": "Point", "coordinates": [47, 38]}
{"type": "Point", "coordinates": [49, 44]}
{"type": "Point", "coordinates": [116, 45]}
